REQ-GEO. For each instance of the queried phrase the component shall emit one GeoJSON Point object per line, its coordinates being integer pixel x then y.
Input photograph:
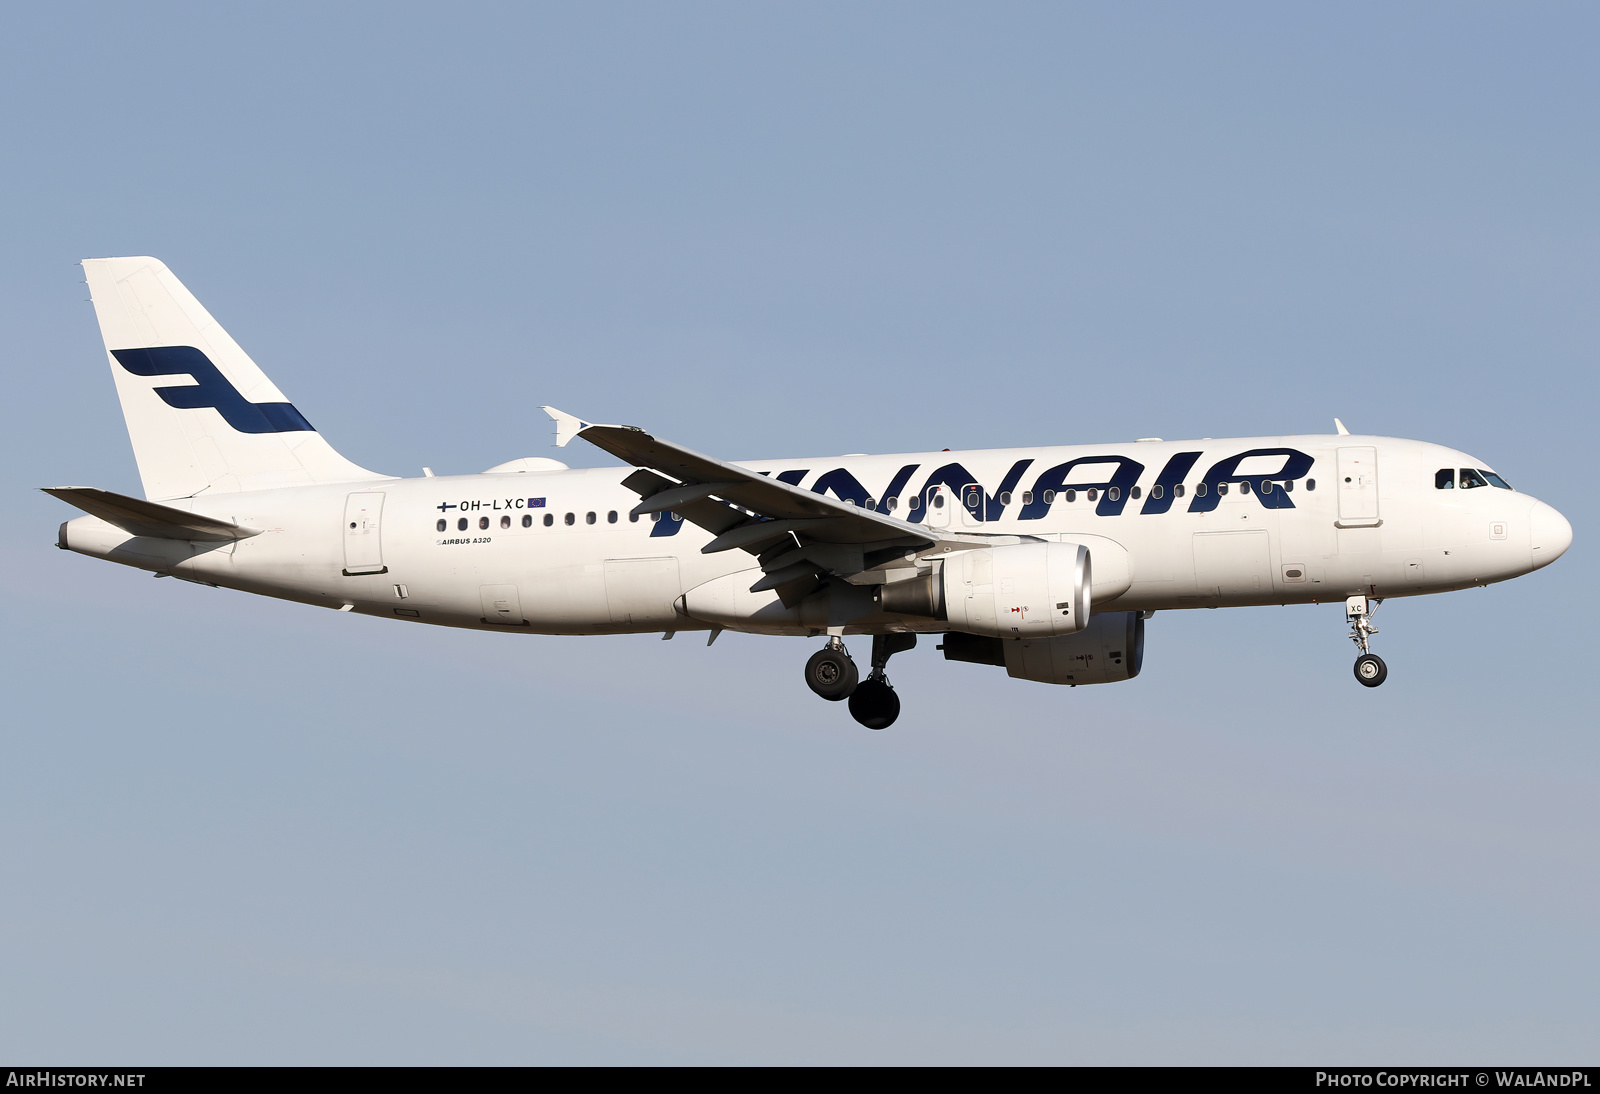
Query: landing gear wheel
{"type": "Point", "coordinates": [1371, 670]}
{"type": "Point", "coordinates": [874, 703]}
{"type": "Point", "coordinates": [831, 674]}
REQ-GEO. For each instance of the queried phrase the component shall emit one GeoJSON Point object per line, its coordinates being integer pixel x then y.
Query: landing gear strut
{"type": "Point", "coordinates": [1370, 669]}
{"type": "Point", "coordinates": [874, 703]}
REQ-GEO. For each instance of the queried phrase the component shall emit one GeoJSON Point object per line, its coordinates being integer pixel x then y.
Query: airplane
{"type": "Point", "coordinates": [1045, 561]}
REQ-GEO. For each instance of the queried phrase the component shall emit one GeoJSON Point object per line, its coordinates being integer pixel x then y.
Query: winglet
{"type": "Point", "coordinates": [567, 426]}
{"type": "Point", "coordinates": [1337, 424]}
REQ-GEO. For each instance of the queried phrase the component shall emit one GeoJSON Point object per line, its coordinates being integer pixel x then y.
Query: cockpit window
{"type": "Point", "coordinates": [1444, 478]}
{"type": "Point", "coordinates": [1494, 480]}
{"type": "Point", "coordinates": [1471, 479]}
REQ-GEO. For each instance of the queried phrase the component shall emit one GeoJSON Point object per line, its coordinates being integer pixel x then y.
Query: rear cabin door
{"type": "Point", "coordinates": [1358, 484]}
{"type": "Point", "coordinates": [363, 538]}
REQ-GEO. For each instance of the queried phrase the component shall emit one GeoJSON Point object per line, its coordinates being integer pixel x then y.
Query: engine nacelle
{"type": "Point", "coordinates": [1109, 649]}
{"type": "Point", "coordinates": [1025, 590]}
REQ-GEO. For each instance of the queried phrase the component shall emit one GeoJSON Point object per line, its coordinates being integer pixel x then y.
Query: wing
{"type": "Point", "coordinates": [798, 536]}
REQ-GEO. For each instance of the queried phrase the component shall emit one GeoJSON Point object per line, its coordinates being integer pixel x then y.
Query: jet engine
{"type": "Point", "coordinates": [1023, 590]}
{"type": "Point", "coordinates": [1109, 649]}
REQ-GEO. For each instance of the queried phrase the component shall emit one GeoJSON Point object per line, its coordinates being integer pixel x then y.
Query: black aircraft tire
{"type": "Point", "coordinates": [831, 674]}
{"type": "Point", "coordinates": [874, 704]}
{"type": "Point", "coordinates": [1370, 670]}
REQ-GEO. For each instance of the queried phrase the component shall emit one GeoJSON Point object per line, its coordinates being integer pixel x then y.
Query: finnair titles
{"type": "Point", "coordinates": [1044, 561]}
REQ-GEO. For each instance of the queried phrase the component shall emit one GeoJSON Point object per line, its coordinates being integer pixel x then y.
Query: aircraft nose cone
{"type": "Point", "coordinates": [1550, 532]}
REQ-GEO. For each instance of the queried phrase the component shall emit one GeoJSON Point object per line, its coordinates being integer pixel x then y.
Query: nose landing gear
{"type": "Point", "coordinates": [1370, 669]}
{"type": "Point", "coordinates": [832, 674]}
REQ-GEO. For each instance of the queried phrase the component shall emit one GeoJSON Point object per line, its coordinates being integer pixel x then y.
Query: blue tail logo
{"type": "Point", "coordinates": [210, 388]}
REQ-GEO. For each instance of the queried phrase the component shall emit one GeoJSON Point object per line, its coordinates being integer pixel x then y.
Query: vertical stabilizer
{"type": "Point", "coordinates": [203, 418]}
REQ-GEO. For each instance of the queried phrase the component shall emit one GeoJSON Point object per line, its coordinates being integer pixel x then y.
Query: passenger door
{"type": "Point", "coordinates": [363, 535]}
{"type": "Point", "coordinates": [1358, 486]}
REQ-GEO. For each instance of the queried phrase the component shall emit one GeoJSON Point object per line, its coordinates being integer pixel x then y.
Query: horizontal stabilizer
{"type": "Point", "coordinates": [147, 518]}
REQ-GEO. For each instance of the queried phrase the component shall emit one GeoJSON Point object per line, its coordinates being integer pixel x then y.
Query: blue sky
{"type": "Point", "coordinates": [235, 830]}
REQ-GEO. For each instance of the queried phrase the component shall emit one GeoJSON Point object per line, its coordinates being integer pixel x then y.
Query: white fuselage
{"type": "Point", "coordinates": [556, 551]}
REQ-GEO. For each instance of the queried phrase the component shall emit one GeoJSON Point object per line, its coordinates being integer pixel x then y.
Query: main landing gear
{"type": "Point", "coordinates": [1370, 669]}
{"type": "Point", "coordinates": [832, 674]}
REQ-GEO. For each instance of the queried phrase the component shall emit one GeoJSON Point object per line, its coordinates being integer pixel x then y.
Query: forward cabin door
{"type": "Point", "coordinates": [1358, 485]}
{"type": "Point", "coordinates": [363, 537]}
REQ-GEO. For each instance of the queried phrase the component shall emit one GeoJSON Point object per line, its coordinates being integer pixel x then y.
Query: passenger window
{"type": "Point", "coordinates": [570, 519]}
{"type": "Point", "coordinates": [461, 525]}
{"type": "Point", "coordinates": [1288, 487]}
{"type": "Point", "coordinates": [1471, 480]}
{"type": "Point", "coordinates": [588, 518]}
{"type": "Point", "coordinates": [483, 524]}
{"type": "Point", "coordinates": [1244, 487]}
{"type": "Point", "coordinates": [677, 516]}
{"type": "Point", "coordinates": [1134, 493]}
{"type": "Point", "coordinates": [869, 504]}
{"type": "Point", "coordinates": [1049, 497]}
{"type": "Point", "coordinates": [1157, 492]}
{"type": "Point", "coordinates": [891, 504]}
{"type": "Point", "coordinates": [1222, 487]}
{"type": "Point", "coordinates": [527, 520]}
{"type": "Point", "coordinates": [1266, 486]}
{"type": "Point", "coordinates": [1114, 494]}
{"type": "Point", "coordinates": [1005, 497]}
{"type": "Point", "coordinates": [505, 522]}
{"type": "Point", "coordinates": [1199, 489]}
{"type": "Point", "coordinates": [1027, 497]}
{"type": "Point", "coordinates": [1071, 496]}
{"type": "Point", "coordinates": [443, 525]}
{"type": "Point", "coordinates": [1177, 491]}
{"type": "Point", "coordinates": [1444, 478]}
{"type": "Point", "coordinates": [549, 519]}
{"type": "Point", "coordinates": [655, 517]}
{"type": "Point", "coordinates": [611, 517]}
{"type": "Point", "coordinates": [1091, 493]}
{"type": "Point", "coordinates": [1495, 480]}
{"type": "Point", "coordinates": [633, 518]}
{"type": "Point", "coordinates": [1311, 484]}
